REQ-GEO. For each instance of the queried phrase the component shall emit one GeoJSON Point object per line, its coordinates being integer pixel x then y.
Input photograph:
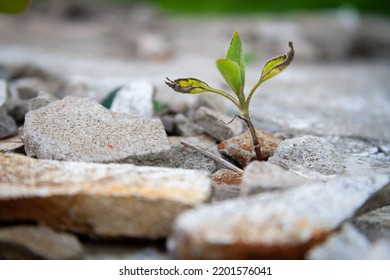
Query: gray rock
{"type": "Point", "coordinates": [216, 124]}
{"type": "Point", "coordinates": [184, 157]}
{"type": "Point", "coordinates": [98, 200]}
{"type": "Point", "coordinates": [270, 225]}
{"type": "Point", "coordinates": [135, 97]}
{"type": "Point", "coordinates": [41, 100]}
{"type": "Point", "coordinates": [80, 129]}
{"type": "Point", "coordinates": [262, 176]}
{"type": "Point", "coordinates": [38, 242]}
{"type": "Point", "coordinates": [186, 127]}
{"type": "Point", "coordinates": [3, 92]}
{"type": "Point", "coordinates": [7, 124]}
{"type": "Point", "coordinates": [375, 224]}
{"type": "Point", "coordinates": [309, 155]}
{"type": "Point", "coordinates": [346, 244]}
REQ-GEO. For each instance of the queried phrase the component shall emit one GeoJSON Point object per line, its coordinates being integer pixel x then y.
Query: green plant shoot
{"type": "Point", "coordinates": [232, 69]}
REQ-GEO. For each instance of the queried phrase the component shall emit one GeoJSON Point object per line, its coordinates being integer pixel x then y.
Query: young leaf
{"type": "Point", "coordinates": [230, 71]}
{"type": "Point", "coordinates": [276, 65]}
{"type": "Point", "coordinates": [235, 53]}
{"type": "Point", "coordinates": [13, 6]}
{"type": "Point", "coordinates": [188, 85]}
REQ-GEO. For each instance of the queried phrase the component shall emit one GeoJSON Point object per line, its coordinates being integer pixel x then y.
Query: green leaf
{"type": "Point", "coordinates": [230, 71]}
{"type": "Point", "coordinates": [276, 65]}
{"type": "Point", "coordinates": [235, 53]}
{"type": "Point", "coordinates": [188, 85]}
{"type": "Point", "coordinates": [107, 102]}
{"type": "Point", "coordinates": [13, 6]}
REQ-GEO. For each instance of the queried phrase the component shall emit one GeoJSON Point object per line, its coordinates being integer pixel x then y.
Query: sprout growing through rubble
{"type": "Point", "coordinates": [232, 69]}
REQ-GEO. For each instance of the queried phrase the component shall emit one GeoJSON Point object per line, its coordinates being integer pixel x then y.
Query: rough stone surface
{"type": "Point", "coordinates": [184, 157]}
{"type": "Point", "coordinates": [41, 100]}
{"type": "Point", "coordinates": [270, 225]}
{"type": "Point", "coordinates": [135, 97]}
{"type": "Point", "coordinates": [104, 200]}
{"type": "Point", "coordinates": [38, 242]}
{"type": "Point", "coordinates": [240, 148]}
{"type": "Point", "coordinates": [348, 244]}
{"type": "Point", "coordinates": [79, 129]}
{"type": "Point", "coordinates": [375, 224]}
{"type": "Point", "coordinates": [260, 176]}
{"type": "Point", "coordinates": [225, 184]}
{"type": "Point", "coordinates": [216, 124]}
{"type": "Point", "coordinates": [308, 154]}
{"type": "Point", "coordinates": [7, 124]}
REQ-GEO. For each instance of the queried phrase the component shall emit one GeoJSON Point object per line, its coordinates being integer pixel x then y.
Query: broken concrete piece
{"type": "Point", "coordinates": [135, 97]}
{"type": "Point", "coordinates": [80, 129]}
{"type": "Point", "coordinates": [309, 156]}
{"type": "Point", "coordinates": [38, 242]}
{"type": "Point", "coordinates": [240, 148]}
{"type": "Point", "coordinates": [104, 200]}
{"type": "Point", "coordinates": [260, 176]}
{"type": "Point", "coordinates": [272, 225]}
{"type": "Point", "coordinates": [216, 124]}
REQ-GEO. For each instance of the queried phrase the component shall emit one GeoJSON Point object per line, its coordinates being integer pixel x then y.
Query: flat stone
{"type": "Point", "coordinates": [262, 176]}
{"type": "Point", "coordinates": [309, 156]}
{"type": "Point", "coordinates": [80, 129]}
{"type": "Point", "coordinates": [38, 242]}
{"type": "Point", "coordinates": [135, 97]}
{"type": "Point", "coordinates": [216, 124]}
{"type": "Point", "coordinates": [11, 144]}
{"type": "Point", "coordinates": [7, 124]}
{"type": "Point", "coordinates": [181, 156]}
{"type": "Point", "coordinates": [104, 200]}
{"type": "Point", "coordinates": [375, 224]}
{"type": "Point", "coordinates": [347, 244]}
{"type": "Point", "coordinates": [240, 148]}
{"type": "Point", "coordinates": [43, 99]}
{"type": "Point", "coordinates": [271, 225]}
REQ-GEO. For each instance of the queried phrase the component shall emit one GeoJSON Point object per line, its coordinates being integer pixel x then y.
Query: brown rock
{"type": "Point", "coordinates": [240, 148]}
{"type": "Point", "coordinates": [38, 242]}
{"type": "Point", "coordinates": [107, 200]}
{"type": "Point", "coordinates": [225, 184]}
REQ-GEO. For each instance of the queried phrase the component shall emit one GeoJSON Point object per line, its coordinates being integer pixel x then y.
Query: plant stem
{"type": "Point", "coordinates": [255, 140]}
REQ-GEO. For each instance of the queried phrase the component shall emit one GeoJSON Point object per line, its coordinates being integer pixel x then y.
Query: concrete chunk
{"type": "Point", "coordinates": [273, 225]}
{"type": "Point", "coordinates": [80, 129]}
{"type": "Point", "coordinates": [107, 200]}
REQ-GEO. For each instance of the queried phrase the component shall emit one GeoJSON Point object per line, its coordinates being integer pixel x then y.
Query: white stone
{"type": "Point", "coordinates": [135, 97]}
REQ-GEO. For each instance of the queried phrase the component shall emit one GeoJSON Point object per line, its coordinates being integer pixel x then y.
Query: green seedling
{"type": "Point", "coordinates": [232, 69]}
